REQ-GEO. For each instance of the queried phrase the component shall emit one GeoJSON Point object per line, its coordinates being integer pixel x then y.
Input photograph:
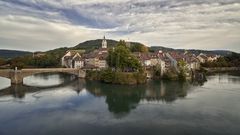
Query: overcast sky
{"type": "Point", "coordinates": [36, 25]}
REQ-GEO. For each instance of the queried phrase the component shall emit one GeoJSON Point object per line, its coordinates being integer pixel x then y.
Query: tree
{"type": "Point", "coordinates": [121, 58]}
{"type": "Point", "coordinates": [182, 65]}
{"type": "Point", "coordinates": [139, 48]}
{"type": "Point", "coordinates": [157, 70]}
{"type": "Point", "coordinates": [2, 61]}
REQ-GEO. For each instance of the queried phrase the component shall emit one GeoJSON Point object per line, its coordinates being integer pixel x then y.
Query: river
{"type": "Point", "coordinates": [59, 104]}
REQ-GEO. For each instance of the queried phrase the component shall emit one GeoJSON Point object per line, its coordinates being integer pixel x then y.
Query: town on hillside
{"type": "Point", "coordinates": [97, 59]}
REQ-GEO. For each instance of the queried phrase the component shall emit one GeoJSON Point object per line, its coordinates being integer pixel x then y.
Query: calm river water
{"type": "Point", "coordinates": [59, 104]}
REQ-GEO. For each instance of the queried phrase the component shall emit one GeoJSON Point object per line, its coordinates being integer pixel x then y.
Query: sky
{"type": "Point", "coordinates": [39, 25]}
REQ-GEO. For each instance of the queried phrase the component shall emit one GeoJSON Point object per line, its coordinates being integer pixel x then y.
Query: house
{"type": "Point", "coordinates": [212, 57]}
{"type": "Point", "coordinates": [143, 58]}
{"type": "Point", "coordinates": [192, 62]}
{"type": "Point", "coordinates": [202, 58]}
{"type": "Point", "coordinates": [158, 59]}
{"type": "Point", "coordinates": [73, 59]}
{"type": "Point", "coordinates": [96, 59]}
{"type": "Point", "coordinates": [172, 58]}
{"type": "Point", "coordinates": [149, 60]}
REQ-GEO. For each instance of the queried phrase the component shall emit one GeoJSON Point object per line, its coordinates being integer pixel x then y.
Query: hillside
{"type": "Point", "coordinates": [8, 54]}
{"type": "Point", "coordinates": [94, 44]}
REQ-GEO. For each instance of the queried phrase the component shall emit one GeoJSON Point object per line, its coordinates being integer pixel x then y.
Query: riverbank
{"type": "Point", "coordinates": [117, 77]}
{"type": "Point", "coordinates": [134, 78]}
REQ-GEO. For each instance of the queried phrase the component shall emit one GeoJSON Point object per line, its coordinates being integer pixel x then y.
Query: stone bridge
{"type": "Point", "coordinates": [16, 76]}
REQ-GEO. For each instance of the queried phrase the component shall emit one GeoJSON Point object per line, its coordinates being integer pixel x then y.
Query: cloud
{"type": "Point", "coordinates": [21, 32]}
{"type": "Point", "coordinates": [202, 24]}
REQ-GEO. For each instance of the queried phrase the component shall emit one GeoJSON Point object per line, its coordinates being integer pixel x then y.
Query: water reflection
{"type": "Point", "coordinates": [4, 83]}
{"type": "Point", "coordinates": [47, 79]}
{"type": "Point", "coordinates": [19, 91]}
{"type": "Point", "coordinates": [121, 99]}
{"type": "Point", "coordinates": [80, 106]}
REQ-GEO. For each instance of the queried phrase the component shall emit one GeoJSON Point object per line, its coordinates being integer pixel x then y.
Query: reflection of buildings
{"type": "Point", "coordinates": [166, 91]}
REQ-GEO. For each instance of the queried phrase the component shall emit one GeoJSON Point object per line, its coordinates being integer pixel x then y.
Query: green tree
{"type": "Point", "coordinates": [139, 48]}
{"type": "Point", "coordinates": [2, 61]}
{"type": "Point", "coordinates": [182, 66]}
{"type": "Point", "coordinates": [122, 59]}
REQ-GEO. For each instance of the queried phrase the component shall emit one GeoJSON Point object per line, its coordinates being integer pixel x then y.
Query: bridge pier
{"type": "Point", "coordinates": [16, 77]}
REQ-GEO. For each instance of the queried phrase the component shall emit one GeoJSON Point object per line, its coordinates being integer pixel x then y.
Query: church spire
{"type": "Point", "coordinates": [104, 42]}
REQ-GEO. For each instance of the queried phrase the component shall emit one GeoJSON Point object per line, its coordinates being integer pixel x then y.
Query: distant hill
{"type": "Point", "coordinates": [94, 44]}
{"type": "Point", "coordinates": [8, 54]}
{"type": "Point", "coordinates": [193, 51]}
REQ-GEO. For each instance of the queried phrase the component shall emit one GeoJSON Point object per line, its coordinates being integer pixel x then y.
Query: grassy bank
{"type": "Point", "coordinates": [108, 76]}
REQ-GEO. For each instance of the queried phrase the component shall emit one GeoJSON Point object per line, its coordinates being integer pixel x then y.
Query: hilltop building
{"type": "Point", "coordinates": [104, 42]}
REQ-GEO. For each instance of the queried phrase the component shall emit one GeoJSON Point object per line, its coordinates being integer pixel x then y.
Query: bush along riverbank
{"type": "Point", "coordinates": [117, 77]}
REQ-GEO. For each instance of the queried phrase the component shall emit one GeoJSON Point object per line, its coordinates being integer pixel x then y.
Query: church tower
{"type": "Point", "coordinates": [104, 43]}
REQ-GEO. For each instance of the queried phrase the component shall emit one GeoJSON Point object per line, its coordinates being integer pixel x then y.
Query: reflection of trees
{"type": "Point", "coordinates": [120, 99]}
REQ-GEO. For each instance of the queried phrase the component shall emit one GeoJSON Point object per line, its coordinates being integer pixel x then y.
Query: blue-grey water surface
{"type": "Point", "coordinates": [59, 104]}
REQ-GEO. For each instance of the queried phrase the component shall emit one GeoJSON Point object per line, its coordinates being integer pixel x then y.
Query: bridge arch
{"type": "Point", "coordinates": [16, 76]}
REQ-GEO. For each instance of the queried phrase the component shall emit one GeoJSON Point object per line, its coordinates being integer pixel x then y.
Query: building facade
{"type": "Point", "coordinates": [72, 59]}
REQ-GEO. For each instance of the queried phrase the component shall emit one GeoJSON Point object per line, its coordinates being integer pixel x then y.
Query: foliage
{"type": "Point", "coordinates": [139, 48]}
{"type": "Point", "coordinates": [121, 58]}
{"type": "Point", "coordinates": [182, 70]}
{"type": "Point", "coordinates": [49, 60]}
{"type": "Point", "coordinates": [109, 76]}
{"type": "Point", "coordinates": [8, 54]}
{"type": "Point", "coordinates": [157, 71]}
{"type": "Point", "coordinates": [93, 75]}
{"type": "Point", "coordinates": [170, 75]}
{"type": "Point", "coordinates": [2, 61]}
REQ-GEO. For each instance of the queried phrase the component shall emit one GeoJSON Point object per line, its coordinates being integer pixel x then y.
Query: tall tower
{"type": "Point", "coordinates": [104, 43]}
